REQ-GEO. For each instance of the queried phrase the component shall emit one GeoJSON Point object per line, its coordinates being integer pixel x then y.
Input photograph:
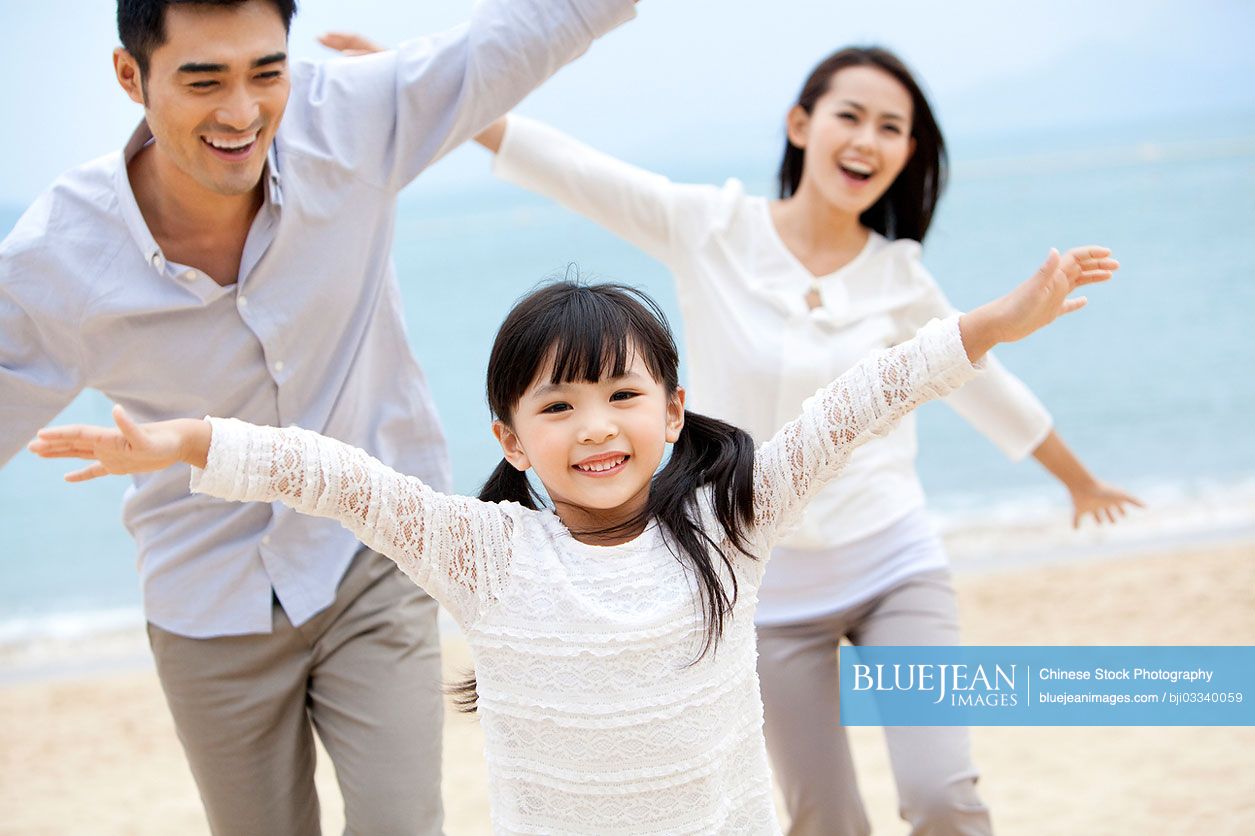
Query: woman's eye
{"type": "Point", "coordinates": [893, 129]}
{"type": "Point", "coordinates": [847, 116]}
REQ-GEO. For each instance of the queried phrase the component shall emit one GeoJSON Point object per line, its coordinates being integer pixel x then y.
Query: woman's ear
{"type": "Point", "coordinates": [675, 415]}
{"type": "Point", "coordinates": [511, 448]}
{"type": "Point", "coordinates": [795, 125]}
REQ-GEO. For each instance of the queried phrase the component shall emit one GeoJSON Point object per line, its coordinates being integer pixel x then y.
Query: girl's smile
{"type": "Point", "coordinates": [595, 446]}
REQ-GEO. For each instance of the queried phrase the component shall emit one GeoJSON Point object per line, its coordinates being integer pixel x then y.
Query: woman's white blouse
{"type": "Point", "coordinates": [596, 718]}
{"type": "Point", "coordinates": [754, 348]}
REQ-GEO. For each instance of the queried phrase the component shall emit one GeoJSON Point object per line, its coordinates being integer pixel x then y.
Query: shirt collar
{"type": "Point", "coordinates": [129, 207]}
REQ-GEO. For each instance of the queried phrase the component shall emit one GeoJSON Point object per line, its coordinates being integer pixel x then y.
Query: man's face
{"type": "Point", "coordinates": [215, 92]}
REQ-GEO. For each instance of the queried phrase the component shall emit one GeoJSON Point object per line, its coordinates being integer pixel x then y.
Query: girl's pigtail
{"type": "Point", "coordinates": [509, 484]}
{"type": "Point", "coordinates": [710, 453]}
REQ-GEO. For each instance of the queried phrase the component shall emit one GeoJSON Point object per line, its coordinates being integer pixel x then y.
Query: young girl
{"type": "Point", "coordinates": [779, 297]}
{"type": "Point", "coordinates": [612, 635]}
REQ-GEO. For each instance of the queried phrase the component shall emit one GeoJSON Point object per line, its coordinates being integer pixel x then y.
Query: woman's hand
{"type": "Point", "coordinates": [131, 448]}
{"type": "Point", "coordinates": [1037, 302]}
{"type": "Point", "coordinates": [349, 43]}
{"type": "Point", "coordinates": [1100, 500]}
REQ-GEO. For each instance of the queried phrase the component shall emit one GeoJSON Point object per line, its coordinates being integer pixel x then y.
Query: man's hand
{"type": "Point", "coordinates": [130, 448]}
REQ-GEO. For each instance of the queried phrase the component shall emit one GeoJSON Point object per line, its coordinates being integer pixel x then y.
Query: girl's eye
{"type": "Point", "coordinates": [623, 396]}
{"type": "Point", "coordinates": [555, 408]}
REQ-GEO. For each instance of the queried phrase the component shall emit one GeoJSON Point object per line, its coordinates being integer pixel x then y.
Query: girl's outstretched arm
{"type": "Point", "coordinates": [457, 548]}
{"type": "Point", "coordinates": [867, 400]}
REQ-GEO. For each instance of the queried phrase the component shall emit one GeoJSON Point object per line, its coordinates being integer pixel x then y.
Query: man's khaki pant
{"type": "Point", "coordinates": [364, 673]}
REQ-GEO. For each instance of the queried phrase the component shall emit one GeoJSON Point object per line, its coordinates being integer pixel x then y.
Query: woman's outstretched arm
{"type": "Point", "coordinates": [454, 547]}
{"type": "Point", "coordinates": [870, 398]}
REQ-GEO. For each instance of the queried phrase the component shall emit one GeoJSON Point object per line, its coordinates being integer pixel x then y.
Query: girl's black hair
{"type": "Point", "coordinates": [906, 209]}
{"type": "Point", "coordinates": [590, 331]}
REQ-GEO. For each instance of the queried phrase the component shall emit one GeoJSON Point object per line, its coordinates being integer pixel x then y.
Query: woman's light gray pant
{"type": "Point", "coordinates": [810, 755]}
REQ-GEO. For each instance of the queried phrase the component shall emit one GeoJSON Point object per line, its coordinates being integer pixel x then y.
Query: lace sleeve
{"type": "Point", "coordinates": [457, 548]}
{"type": "Point", "coordinates": [864, 402]}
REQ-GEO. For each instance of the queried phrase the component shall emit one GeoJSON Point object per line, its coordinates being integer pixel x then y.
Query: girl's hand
{"type": "Point", "coordinates": [1100, 500]}
{"type": "Point", "coordinates": [131, 448]}
{"type": "Point", "coordinates": [1037, 302]}
{"type": "Point", "coordinates": [349, 43]}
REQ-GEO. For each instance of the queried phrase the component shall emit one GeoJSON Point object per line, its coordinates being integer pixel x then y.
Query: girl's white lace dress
{"type": "Point", "coordinates": [596, 716]}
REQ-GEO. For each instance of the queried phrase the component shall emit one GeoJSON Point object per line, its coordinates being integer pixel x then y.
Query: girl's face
{"type": "Point", "coordinates": [594, 445]}
{"type": "Point", "coordinates": [857, 138]}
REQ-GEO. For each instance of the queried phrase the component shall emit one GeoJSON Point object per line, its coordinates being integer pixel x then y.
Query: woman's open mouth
{"type": "Point", "coordinates": [856, 172]}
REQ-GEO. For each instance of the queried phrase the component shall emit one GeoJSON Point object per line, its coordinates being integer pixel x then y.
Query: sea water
{"type": "Point", "coordinates": [1152, 385]}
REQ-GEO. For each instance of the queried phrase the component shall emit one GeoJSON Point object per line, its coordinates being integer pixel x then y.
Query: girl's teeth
{"type": "Point", "coordinates": [600, 466]}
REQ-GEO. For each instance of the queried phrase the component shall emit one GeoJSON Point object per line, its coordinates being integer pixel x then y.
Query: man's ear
{"type": "Point", "coordinates": [126, 69]}
{"type": "Point", "coordinates": [675, 415]}
{"type": "Point", "coordinates": [511, 448]}
{"type": "Point", "coordinates": [795, 125]}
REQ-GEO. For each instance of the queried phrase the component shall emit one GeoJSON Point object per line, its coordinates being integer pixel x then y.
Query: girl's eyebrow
{"type": "Point", "coordinates": [554, 388]}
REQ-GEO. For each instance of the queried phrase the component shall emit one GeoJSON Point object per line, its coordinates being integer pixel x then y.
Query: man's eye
{"type": "Point", "coordinates": [203, 85]}
{"type": "Point", "coordinates": [269, 76]}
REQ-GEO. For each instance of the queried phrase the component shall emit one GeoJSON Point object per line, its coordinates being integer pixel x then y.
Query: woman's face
{"type": "Point", "coordinates": [857, 138]}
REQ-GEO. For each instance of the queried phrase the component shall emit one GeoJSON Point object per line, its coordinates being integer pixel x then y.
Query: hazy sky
{"type": "Point", "coordinates": [702, 79]}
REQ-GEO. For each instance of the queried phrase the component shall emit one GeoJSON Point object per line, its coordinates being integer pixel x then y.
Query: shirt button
{"type": "Point", "coordinates": [265, 540]}
{"type": "Point", "coordinates": [242, 301]}
{"type": "Point", "coordinates": [190, 275]}
{"type": "Point", "coordinates": [278, 365]}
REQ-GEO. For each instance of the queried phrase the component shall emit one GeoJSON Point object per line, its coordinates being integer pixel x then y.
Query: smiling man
{"type": "Point", "coordinates": [234, 259]}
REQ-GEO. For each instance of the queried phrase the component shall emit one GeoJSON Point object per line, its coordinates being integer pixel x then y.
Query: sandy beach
{"type": "Point", "coordinates": [96, 753]}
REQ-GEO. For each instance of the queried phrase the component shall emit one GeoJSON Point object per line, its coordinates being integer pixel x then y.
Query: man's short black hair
{"type": "Point", "coordinates": [142, 23]}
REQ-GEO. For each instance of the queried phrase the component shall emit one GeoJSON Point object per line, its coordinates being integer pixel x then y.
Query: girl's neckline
{"type": "Point", "coordinates": [815, 278]}
{"type": "Point", "coordinates": [635, 544]}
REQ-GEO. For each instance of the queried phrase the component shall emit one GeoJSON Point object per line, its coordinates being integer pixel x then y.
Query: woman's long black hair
{"type": "Point", "coordinates": [588, 331]}
{"type": "Point", "coordinates": [906, 209]}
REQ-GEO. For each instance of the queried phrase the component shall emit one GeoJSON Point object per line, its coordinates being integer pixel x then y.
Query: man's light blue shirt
{"type": "Point", "coordinates": [312, 334]}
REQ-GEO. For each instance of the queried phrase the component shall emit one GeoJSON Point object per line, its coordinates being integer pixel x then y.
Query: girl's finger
{"type": "Point", "coordinates": [1092, 276]}
{"type": "Point", "coordinates": [129, 429]}
{"type": "Point", "coordinates": [1072, 305]}
{"type": "Point", "coordinates": [94, 472]}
